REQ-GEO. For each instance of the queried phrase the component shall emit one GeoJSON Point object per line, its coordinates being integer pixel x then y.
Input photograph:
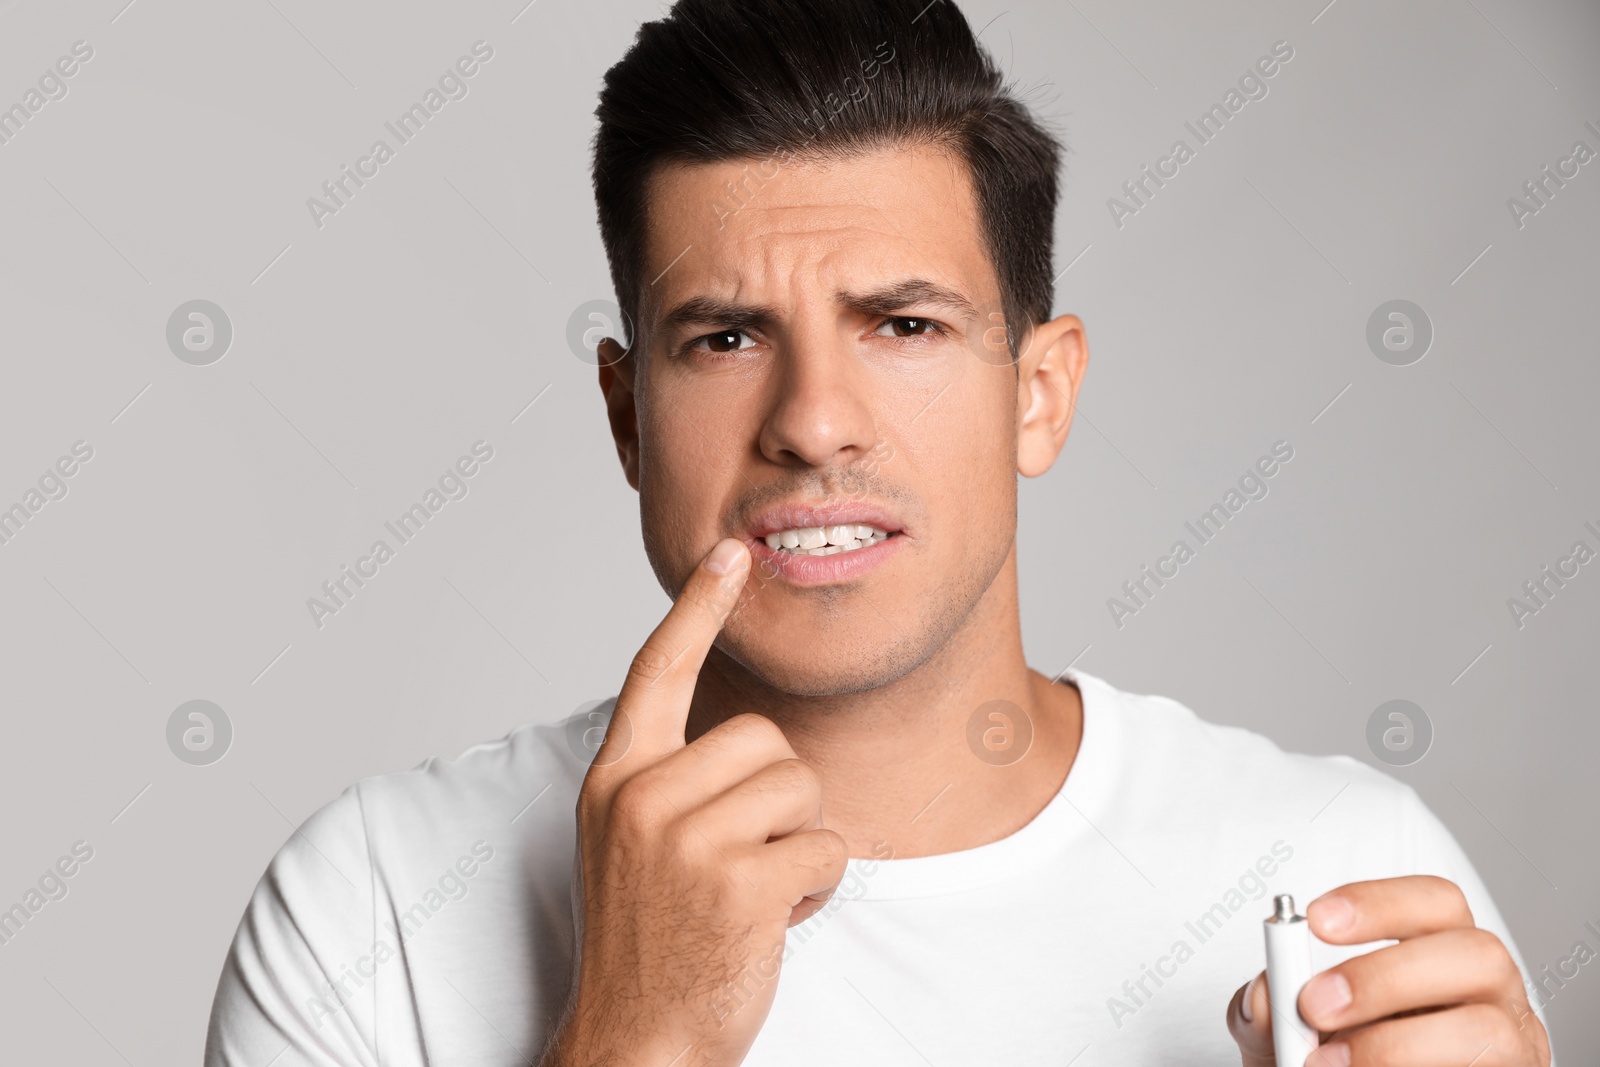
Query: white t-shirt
{"type": "Point", "coordinates": [424, 917]}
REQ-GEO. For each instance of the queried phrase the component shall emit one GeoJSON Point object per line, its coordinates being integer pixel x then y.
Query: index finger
{"type": "Point", "coordinates": [653, 705]}
{"type": "Point", "coordinates": [1385, 908]}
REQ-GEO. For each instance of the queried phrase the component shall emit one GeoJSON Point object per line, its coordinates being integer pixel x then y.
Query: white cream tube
{"type": "Point", "coordinates": [1288, 970]}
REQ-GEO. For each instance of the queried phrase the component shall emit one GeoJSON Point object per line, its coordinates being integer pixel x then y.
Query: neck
{"type": "Point", "coordinates": [914, 765]}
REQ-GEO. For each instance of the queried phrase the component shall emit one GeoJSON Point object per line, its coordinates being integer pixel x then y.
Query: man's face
{"type": "Point", "coordinates": [811, 372]}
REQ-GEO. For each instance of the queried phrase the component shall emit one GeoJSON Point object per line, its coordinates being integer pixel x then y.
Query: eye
{"type": "Point", "coordinates": [910, 326]}
{"type": "Point", "coordinates": [721, 341]}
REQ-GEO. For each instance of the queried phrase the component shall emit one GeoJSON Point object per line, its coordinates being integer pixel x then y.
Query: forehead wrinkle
{"type": "Point", "coordinates": [881, 235]}
{"type": "Point", "coordinates": [781, 256]}
{"type": "Point", "coordinates": [831, 236]}
{"type": "Point", "coordinates": [777, 276]}
{"type": "Point", "coordinates": [778, 266]}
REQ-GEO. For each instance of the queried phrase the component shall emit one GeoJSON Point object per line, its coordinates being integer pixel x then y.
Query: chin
{"type": "Point", "coordinates": [806, 670]}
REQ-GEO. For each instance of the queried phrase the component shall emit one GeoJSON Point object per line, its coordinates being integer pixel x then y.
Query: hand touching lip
{"type": "Point", "coordinates": [693, 857]}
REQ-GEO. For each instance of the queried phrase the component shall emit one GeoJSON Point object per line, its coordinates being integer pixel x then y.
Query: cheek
{"type": "Point", "coordinates": [687, 474]}
{"type": "Point", "coordinates": [670, 450]}
{"type": "Point", "coordinates": [966, 464]}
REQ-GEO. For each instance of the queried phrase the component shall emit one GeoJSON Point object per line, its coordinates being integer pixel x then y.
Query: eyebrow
{"type": "Point", "coordinates": [733, 315]}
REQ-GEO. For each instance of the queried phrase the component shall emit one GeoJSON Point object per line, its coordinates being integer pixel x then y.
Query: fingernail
{"type": "Point", "coordinates": [723, 557]}
{"type": "Point", "coordinates": [1246, 1012]}
{"type": "Point", "coordinates": [1334, 914]}
{"type": "Point", "coordinates": [1325, 996]}
{"type": "Point", "coordinates": [1334, 1055]}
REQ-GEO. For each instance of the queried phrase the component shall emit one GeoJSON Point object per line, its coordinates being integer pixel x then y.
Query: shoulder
{"type": "Point", "coordinates": [1206, 790]}
{"type": "Point", "coordinates": [1203, 797]}
{"type": "Point", "coordinates": [1162, 769]}
{"type": "Point", "coordinates": [383, 864]}
{"type": "Point", "coordinates": [513, 791]}
{"type": "Point", "coordinates": [1157, 737]}
{"type": "Point", "coordinates": [488, 782]}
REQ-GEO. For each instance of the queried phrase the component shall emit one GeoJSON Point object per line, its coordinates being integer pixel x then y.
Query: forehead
{"type": "Point", "coordinates": [787, 232]}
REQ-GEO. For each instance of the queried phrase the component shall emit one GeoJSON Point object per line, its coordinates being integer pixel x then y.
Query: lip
{"type": "Point", "coordinates": [831, 569]}
{"type": "Point", "coordinates": [798, 516]}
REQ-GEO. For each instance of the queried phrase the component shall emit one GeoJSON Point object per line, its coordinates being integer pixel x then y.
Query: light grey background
{"type": "Point", "coordinates": [369, 354]}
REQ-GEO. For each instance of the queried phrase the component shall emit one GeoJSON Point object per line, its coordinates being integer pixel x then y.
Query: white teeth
{"type": "Point", "coordinates": [826, 540]}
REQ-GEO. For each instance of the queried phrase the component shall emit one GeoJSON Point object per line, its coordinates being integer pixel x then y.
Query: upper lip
{"type": "Point", "coordinates": [798, 516]}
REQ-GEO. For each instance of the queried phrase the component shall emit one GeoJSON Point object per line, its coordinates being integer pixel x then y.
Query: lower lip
{"type": "Point", "coordinates": [799, 569]}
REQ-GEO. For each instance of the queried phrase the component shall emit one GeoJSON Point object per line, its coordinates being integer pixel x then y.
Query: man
{"type": "Point", "coordinates": [835, 817]}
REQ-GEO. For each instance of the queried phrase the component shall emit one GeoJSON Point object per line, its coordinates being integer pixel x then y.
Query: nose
{"type": "Point", "coordinates": [822, 414]}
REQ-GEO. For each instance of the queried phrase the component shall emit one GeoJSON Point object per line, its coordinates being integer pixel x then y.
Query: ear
{"type": "Point", "coordinates": [1050, 371]}
{"type": "Point", "coordinates": [617, 377]}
